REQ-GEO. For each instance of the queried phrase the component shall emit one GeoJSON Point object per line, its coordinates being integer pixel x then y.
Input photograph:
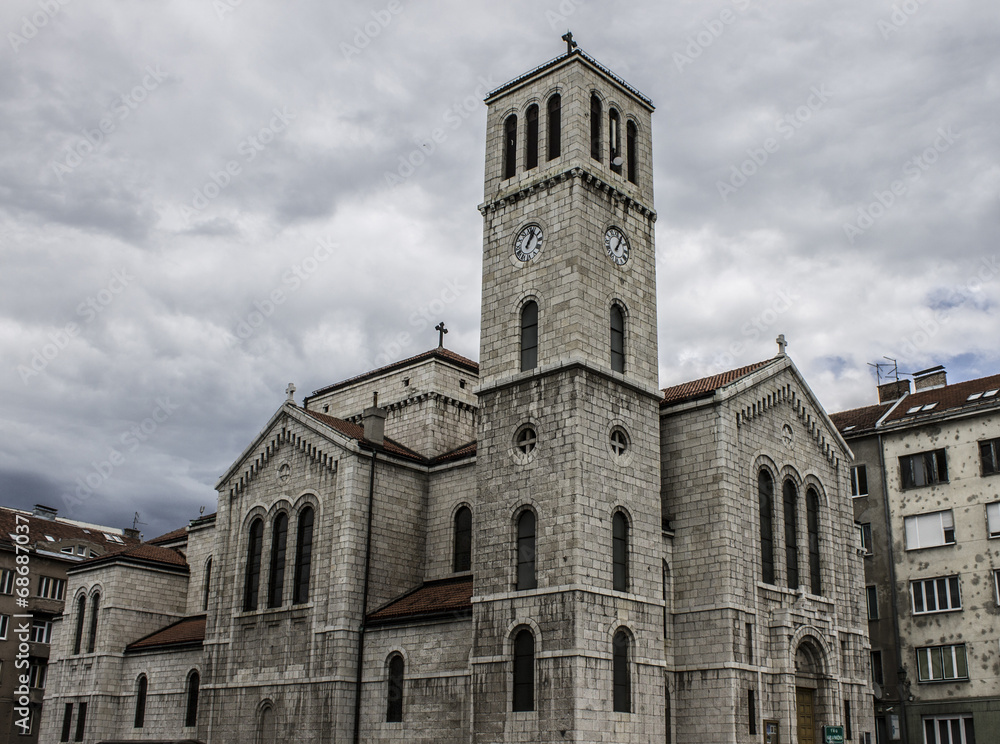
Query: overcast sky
{"type": "Point", "coordinates": [826, 170]}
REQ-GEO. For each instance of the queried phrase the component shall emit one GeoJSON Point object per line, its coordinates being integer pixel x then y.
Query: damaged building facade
{"type": "Point", "coordinates": [543, 546]}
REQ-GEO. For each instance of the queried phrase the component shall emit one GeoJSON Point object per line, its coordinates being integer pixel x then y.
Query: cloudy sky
{"type": "Point", "coordinates": [203, 201]}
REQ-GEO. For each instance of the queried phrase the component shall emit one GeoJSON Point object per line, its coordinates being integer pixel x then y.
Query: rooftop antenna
{"type": "Point", "coordinates": [886, 371]}
{"type": "Point", "coordinates": [136, 522]}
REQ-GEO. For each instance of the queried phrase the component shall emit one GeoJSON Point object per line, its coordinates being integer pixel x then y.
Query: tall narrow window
{"type": "Point", "coordinates": [752, 712]}
{"type": "Point", "coordinates": [191, 709]}
{"type": "Point", "coordinates": [526, 550]}
{"type": "Point", "coordinates": [790, 499]}
{"type": "Point", "coordinates": [848, 732]}
{"type": "Point", "coordinates": [617, 339]}
{"type": "Point", "coordinates": [619, 551]}
{"type": "Point", "coordinates": [251, 584]}
{"type": "Point", "coordinates": [81, 722]}
{"type": "Point", "coordinates": [208, 585]}
{"type": "Point", "coordinates": [463, 539]}
{"type": "Point", "coordinates": [95, 605]}
{"type": "Point", "coordinates": [140, 702]}
{"type": "Point", "coordinates": [510, 146]}
{"type": "Point", "coordinates": [81, 609]}
{"type": "Point", "coordinates": [812, 524]}
{"type": "Point", "coordinates": [394, 691]}
{"type": "Point", "coordinates": [67, 721]}
{"type": "Point", "coordinates": [531, 138]}
{"type": "Point", "coordinates": [595, 127]}
{"type": "Point", "coordinates": [765, 494]}
{"type": "Point", "coordinates": [276, 579]}
{"type": "Point", "coordinates": [555, 125]}
{"type": "Point", "coordinates": [529, 335]}
{"type": "Point", "coordinates": [524, 671]}
{"type": "Point", "coordinates": [632, 144]}
{"type": "Point", "coordinates": [622, 681]}
{"type": "Point", "coordinates": [303, 556]}
{"type": "Point", "coordinates": [614, 141]}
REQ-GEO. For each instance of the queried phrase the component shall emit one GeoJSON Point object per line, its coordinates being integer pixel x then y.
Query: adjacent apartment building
{"type": "Point", "coordinates": [52, 545]}
{"type": "Point", "coordinates": [926, 487]}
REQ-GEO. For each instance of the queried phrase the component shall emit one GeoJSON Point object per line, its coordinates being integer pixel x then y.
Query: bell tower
{"type": "Point", "coordinates": [568, 605]}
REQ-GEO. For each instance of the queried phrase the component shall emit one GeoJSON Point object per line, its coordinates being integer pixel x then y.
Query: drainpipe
{"type": "Point", "coordinates": [364, 599]}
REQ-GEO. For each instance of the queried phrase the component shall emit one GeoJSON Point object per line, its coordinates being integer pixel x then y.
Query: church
{"type": "Point", "coordinates": [544, 546]}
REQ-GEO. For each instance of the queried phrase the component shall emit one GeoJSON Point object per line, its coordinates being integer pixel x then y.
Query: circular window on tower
{"type": "Point", "coordinates": [525, 443]}
{"type": "Point", "coordinates": [619, 441]}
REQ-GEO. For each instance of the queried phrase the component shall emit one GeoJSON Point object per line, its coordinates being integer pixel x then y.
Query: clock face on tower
{"type": "Point", "coordinates": [616, 245]}
{"type": "Point", "coordinates": [528, 243]}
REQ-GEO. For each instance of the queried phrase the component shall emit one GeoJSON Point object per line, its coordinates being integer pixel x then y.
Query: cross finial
{"type": "Point", "coordinates": [570, 44]}
{"type": "Point", "coordinates": [780, 340]}
{"type": "Point", "coordinates": [441, 331]}
{"type": "Point", "coordinates": [290, 392]}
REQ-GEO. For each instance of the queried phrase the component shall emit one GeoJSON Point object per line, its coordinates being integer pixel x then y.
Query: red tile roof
{"type": "Point", "coordinates": [948, 398]}
{"type": "Point", "coordinates": [858, 420]}
{"type": "Point", "coordinates": [467, 450]}
{"type": "Point", "coordinates": [356, 431]}
{"type": "Point", "coordinates": [39, 527]}
{"type": "Point", "coordinates": [431, 599]}
{"type": "Point", "coordinates": [187, 632]}
{"type": "Point", "coordinates": [707, 385]}
{"type": "Point", "coordinates": [438, 353]}
{"type": "Point", "coordinates": [170, 536]}
{"type": "Point", "coordinates": [143, 553]}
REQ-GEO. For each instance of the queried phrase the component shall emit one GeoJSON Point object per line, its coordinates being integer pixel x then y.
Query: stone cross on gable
{"type": "Point", "coordinates": [441, 331]}
{"type": "Point", "coordinates": [780, 340]}
{"type": "Point", "coordinates": [570, 44]}
{"type": "Point", "coordinates": [290, 392]}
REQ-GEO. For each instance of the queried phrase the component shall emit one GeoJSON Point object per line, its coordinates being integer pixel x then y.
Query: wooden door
{"type": "Point", "coordinates": [805, 715]}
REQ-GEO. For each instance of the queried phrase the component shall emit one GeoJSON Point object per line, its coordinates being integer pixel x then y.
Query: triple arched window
{"type": "Point", "coordinates": [277, 560]}
{"type": "Point", "coordinates": [619, 159]}
{"type": "Point", "coordinates": [533, 136]}
{"type": "Point", "coordinates": [790, 518]}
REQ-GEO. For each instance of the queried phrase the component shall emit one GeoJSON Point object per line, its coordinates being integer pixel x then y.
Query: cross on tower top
{"type": "Point", "coordinates": [570, 44]}
{"type": "Point", "coordinates": [290, 392]}
{"type": "Point", "coordinates": [780, 340]}
{"type": "Point", "coordinates": [441, 331]}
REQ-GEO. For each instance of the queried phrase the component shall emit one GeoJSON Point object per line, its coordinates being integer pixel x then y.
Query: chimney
{"type": "Point", "coordinates": [892, 391]}
{"type": "Point", "coordinates": [374, 423]}
{"type": "Point", "coordinates": [929, 379]}
{"type": "Point", "coordinates": [129, 532]}
{"type": "Point", "coordinates": [44, 512]}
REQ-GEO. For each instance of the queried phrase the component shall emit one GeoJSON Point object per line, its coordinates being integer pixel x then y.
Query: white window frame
{"type": "Point", "coordinates": [949, 655]}
{"type": "Point", "coordinates": [963, 728]}
{"type": "Point", "coordinates": [46, 631]}
{"type": "Point", "coordinates": [945, 524]}
{"type": "Point", "coordinates": [993, 519]}
{"type": "Point", "coordinates": [856, 481]}
{"type": "Point", "coordinates": [947, 596]}
{"type": "Point", "coordinates": [4, 626]}
{"type": "Point", "coordinates": [996, 581]}
{"type": "Point", "coordinates": [6, 581]}
{"type": "Point", "coordinates": [938, 459]}
{"type": "Point", "coordinates": [865, 530]}
{"type": "Point", "coordinates": [49, 587]}
{"type": "Point", "coordinates": [37, 672]}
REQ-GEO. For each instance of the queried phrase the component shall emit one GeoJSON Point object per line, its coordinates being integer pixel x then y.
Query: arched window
{"type": "Point", "coordinates": [276, 578]}
{"type": "Point", "coordinates": [531, 138]}
{"type": "Point", "coordinates": [95, 605]}
{"type": "Point", "coordinates": [617, 338]}
{"type": "Point", "coordinates": [140, 702]}
{"type": "Point", "coordinates": [81, 609]}
{"type": "Point", "coordinates": [790, 498]}
{"type": "Point", "coordinates": [622, 678]}
{"type": "Point", "coordinates": [632, 155]}
{"type": "Point", "coordinates": [191, 710]}
{"type": "Point", "coordinates": [529, 335]}
{"type": "Point", "coordinates": [303, 556]}
{"type": "Point", "coordinates": [614, 140]}
{"type": "Point", "coordinates": [555, 125]}
{"type": "Point", "coordinates": [619, 551]}
{"type": "Point", "coordinates": [394, 692]}
{"type": "Point", "coordinates": [251, 584]}
{"type": "Point", "coordinates": [463, 539]}
{"type": "Point", "coordinates": [208, 584]}
{"type": "Point", "coordinates": [765, 496]}
{"type": "Point", "coordinates": [510, 146]}
{"type": "Point", "coordinates": [812, 523]}
{"type": "Point", "coordinates": [526, 550]}
{"type": "Point", "coordinates": [595, 127]}
{"type": "Point", "coordinates": [268, 730]}
{"type": "Point", "coordinates": [524, 670]}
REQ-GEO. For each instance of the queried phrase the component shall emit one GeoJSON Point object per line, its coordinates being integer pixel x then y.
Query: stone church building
{"type": "Point", "coordinates": [543, 546]}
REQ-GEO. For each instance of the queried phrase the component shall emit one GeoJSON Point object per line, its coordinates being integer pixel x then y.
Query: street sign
{"type": "Point", "coordinates": [833, 735]}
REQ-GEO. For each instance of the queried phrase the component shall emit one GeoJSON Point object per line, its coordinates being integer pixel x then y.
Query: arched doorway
{"type": "Point", "coordinates": [808, 678]}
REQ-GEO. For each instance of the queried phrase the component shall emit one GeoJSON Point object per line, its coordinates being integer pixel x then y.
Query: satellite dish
{"type": "Point", "coordinates": [617, 162]}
